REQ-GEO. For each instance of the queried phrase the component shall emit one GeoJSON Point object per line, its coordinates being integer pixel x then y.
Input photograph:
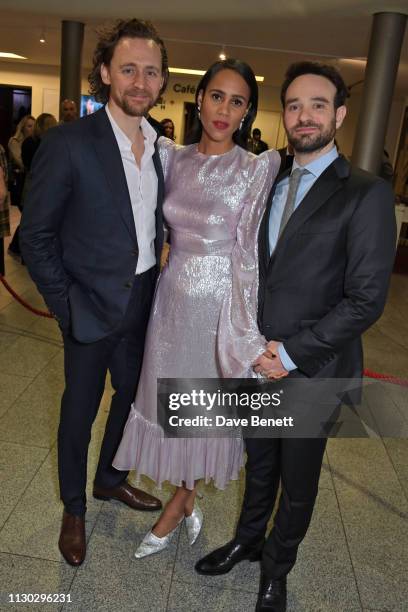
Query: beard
{"type": "Point", "coordinates": [132, 108]}
{"type": "Point", "coordinates": [308, 143]}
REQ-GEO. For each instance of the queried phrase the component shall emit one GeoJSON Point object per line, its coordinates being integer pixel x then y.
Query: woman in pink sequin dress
{"type": "Point", "coordinates": [203, 321]}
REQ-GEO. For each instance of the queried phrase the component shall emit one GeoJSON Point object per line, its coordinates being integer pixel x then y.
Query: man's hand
{"type": "Point", "coordinates": [272, 347]}
{"type": "Point", "coordinates": [269, 364]}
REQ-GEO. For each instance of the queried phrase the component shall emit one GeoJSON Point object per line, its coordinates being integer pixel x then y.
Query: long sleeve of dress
{"type": "Point", "coordinates": [166, 149]}
{"type": "Point", "coordinates": [239, 339]}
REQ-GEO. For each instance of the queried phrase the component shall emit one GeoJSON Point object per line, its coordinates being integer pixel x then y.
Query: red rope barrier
{"type": "Point", "coordinates": [20, 300]}
{"type": "Point", "coordinates": [403, 382]}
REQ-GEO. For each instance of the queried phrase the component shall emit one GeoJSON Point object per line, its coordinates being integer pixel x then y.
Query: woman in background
{"type": "Point", "coordinates": [168, 128]}
{"type": "Point", "coordinates": [4, 207]}
{"type": "Point", "coordinates": [206, 295]}
{"type": "Point", "coordinates": [44, 122]}
{"type": "Point", "coordinates": [24, 129]}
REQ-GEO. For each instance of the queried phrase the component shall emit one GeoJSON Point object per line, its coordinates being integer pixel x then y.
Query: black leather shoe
{"type": "Point", "coordinates": [272, 595]}
{"type": "Point", "coordinates": [223, 559]}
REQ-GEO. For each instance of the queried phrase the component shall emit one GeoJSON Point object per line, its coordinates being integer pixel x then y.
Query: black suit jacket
{"type": "Point", "coordinates": [78, 235]}
{"type": "Point", "coordinates": [328, 277]}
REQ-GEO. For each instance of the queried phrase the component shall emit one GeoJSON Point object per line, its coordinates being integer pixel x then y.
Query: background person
{"type": "Point", "coordinates": [4, 207]}
{"type": "Point", "coordinates": [42, 124]}
{"type": "Point", "coordinates": [257, 145]}
{"type": "Point", "coordinates": [24, 129]}
{"type": "Point", "coordinates": [168, 128]}
{"type": "Point", "coordinates": [69, 111]}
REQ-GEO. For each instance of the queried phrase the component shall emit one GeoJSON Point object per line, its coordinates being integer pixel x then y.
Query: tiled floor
{"type": "Point", "coordinates": [355, 555]}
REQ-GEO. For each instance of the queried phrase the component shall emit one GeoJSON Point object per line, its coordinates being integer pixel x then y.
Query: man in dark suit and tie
{"type": "Point", "coordinates": [92, 235]}
{"type": "Point", "coordinates": [326, 247]}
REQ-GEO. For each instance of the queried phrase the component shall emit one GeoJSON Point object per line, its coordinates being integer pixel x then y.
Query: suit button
{"type": "Point", "coordinates": [128, 285]}
{"type": "Point", "coordinates": [135, 252]}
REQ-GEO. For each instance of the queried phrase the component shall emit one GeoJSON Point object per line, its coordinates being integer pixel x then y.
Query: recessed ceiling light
{"type": "Point", "coordinates": [354, 60]}
{"type": "Point", "coordinates": [11, 55]}
{"type": "Point", "coordinates": [191, 71]}
{"type": "Point", "coordinates": [222, 55]}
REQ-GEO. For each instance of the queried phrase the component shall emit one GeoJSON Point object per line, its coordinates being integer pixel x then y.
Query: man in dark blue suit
{"type": "Point", "coordinates": [92, 235]}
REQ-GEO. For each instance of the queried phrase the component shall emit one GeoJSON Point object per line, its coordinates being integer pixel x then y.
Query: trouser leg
{"type": "Point", "coordinates": [85, 372]}
{"type": "Point", "coordinates": [124, 366]}
{"type": "Point", "coordinates": [262, 473]}
{"type": "Point", "coordinates": [301, 461]}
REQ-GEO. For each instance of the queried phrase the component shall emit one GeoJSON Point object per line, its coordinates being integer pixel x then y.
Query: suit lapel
{"type": "Point", "coordinates": [160, 198]}
{"type": "Point", "coordinates": [324, 187]}
{"type": "Point", "coordinates": [109, 155]}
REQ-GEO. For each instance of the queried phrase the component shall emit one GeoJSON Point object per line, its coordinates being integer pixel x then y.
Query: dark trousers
{"type": "Point", "coordinates": [86, 366]}
{"type": "Point", "coordinates": [296, 464]}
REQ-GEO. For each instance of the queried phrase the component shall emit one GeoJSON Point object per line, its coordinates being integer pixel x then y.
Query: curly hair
{"type": "Point", "coordinates": [108, 39]}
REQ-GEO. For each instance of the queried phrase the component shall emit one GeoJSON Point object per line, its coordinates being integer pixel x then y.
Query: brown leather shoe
{"type": "Point", "coordinates": [72, 542]}
{"type": "Point", "coordinates": [135, 498]}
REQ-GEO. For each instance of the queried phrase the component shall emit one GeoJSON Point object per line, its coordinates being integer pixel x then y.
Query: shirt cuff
{"type": "Point", "coordinates": [285, 359]}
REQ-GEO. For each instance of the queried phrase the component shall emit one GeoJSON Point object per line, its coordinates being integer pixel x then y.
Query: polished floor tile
{"type": "Point", "coordinates": [25, 575]}
{"type": "Point", "coordinates": [28, 356]}
{"type": "Point", "coordinates": [374, 511]}
{"type": "Point", "coordinates": [11, 387]}
{"type": "Point", "coordinates": [18, 465]}
{"type": "Point", "coordinates": [103, 588]}
{"type": "Point", "coordinates": [33, 528]}
{"type": "Point", "coordinates": [34, 416]}
{"type": "Point", "coordinates": [212, 598]}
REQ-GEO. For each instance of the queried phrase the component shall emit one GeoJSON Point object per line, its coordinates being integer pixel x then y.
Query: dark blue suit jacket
{"type": "Point", "coordinates": [328, 277]}
{"type": "Point", "coordinates": [78, 235]}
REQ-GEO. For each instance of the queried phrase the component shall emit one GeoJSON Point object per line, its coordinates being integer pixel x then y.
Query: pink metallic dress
{"type": "Point", "coordinates": [203, 320]}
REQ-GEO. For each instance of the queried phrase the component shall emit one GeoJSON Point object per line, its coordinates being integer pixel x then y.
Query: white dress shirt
{"type": "Point", "coordinates": [142, 186]}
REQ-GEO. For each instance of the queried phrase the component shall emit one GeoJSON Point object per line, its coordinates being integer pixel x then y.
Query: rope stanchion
{"type": "Point", "coordinates": [395, 380]}
{"type": "Point", "coordinates": [23, 303]}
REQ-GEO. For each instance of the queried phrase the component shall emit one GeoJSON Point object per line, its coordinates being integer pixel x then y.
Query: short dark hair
{"type": "Point", "coordinates": [108, 39]}
{"type": "Point", "coordinates": [240, 137]}
{"type": "Point", "coordinates": [256, 131]}
{"type": "Point", "coordinates": [329, 72]}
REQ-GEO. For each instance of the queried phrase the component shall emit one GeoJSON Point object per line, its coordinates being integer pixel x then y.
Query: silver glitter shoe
{"type": "Point", "coordinates": [194, 523]}
{"type": "Point", "coordinates": [153, 544]}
